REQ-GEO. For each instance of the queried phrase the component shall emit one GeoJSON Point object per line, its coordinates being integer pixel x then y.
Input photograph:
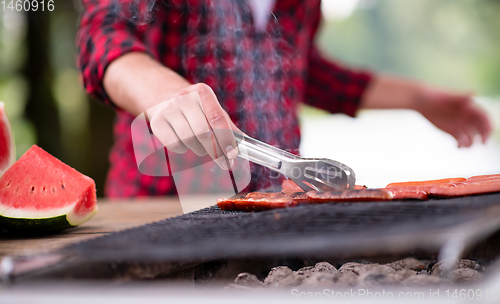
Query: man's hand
{"type": "Point", "coordinates": [182, 116]}
{"type": "Point", "coordinates": [193, 119]}
{"type": "Point", "coordinates": [455, 114]}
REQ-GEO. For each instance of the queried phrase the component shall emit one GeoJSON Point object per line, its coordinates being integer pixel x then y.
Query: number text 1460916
{"type": "Point", "coordinates": [27, 5]}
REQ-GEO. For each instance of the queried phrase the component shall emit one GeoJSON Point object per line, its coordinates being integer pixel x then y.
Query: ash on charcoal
{"type": "Point", "coordinates": [322, 267]}
{"type": "Point", "coordinates": [321, 279]}
{"type": "Point", "coordinates": [282, 276]}
{"type": "Point", "coordinates": [322, 274]}
{"type": "Point", "coordinates": [406, 272]}
{"type": "Point", "coordinates": [439, 270]}
{"type": "Point", "coordinates": [249, 280]}
{"type": "Point", "coordinates": [383, 275]}
{"type": "Point", "coordinates": [424, 280]}
{"type": "Point", "coordinates": [411, 263]}
{"type": "Point", "coordinates": [465, 271]}
{"type": "Point", "coordinates": [466, 275]}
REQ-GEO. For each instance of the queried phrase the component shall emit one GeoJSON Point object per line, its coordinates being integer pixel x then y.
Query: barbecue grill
{"type": "Point", "coordinates": [444, 226]}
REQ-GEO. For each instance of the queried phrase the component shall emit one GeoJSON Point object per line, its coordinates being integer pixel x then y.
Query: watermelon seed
{"type": "Point", "coordinates": [62, 186]}
{"type": "Point", "coordinates": [32, 189]}
{"type": "Point", "coordinates": [43, 189]}
{"type": "Point", "coordinates": [53, 190]}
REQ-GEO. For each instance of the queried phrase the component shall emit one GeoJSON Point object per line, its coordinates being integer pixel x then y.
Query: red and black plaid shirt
{"type": "Point", "coordinates": [258, 77]}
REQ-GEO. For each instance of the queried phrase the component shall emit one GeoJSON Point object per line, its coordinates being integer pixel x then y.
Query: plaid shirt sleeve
{"type": "Point", "coordinates": [104, 34]}
{"type": "Point", "coordinates": [332, 86]}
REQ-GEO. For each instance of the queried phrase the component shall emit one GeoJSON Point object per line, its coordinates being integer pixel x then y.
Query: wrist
{"type": "Point", "coordinates": [418, 96]}
{"type": "Point", "coordinates": [136, 82]}
{"type": "Point", "coordinates": [387, 92]}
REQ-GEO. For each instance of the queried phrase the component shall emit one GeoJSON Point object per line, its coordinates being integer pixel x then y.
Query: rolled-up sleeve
{"type": "Point", "coordinates": [332, 86]}
{"type": "Point", "coordinates": [104, 34]}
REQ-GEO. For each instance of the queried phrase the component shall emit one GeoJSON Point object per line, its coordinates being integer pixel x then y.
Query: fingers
{"type": "Point", "coordinates": [201, 129]}
{"type": "Point", "coordinates": [482, 123]}
{"type": "Point", "coordinates": [165, 133]}
{"type": "Point", "coordinates": [459, 136]}
{"type": "Point", "coordinates": [185, 133]}
{"type": "Point", "coordinates": [468, 136]}
{"type": "Point", "coordinates": [458, 115]}
{"type": "Point", "coordinates": [219, 122]}
{"type": "Point", "coordinates": [217, 119]}
{"type": "Point", "coordinates": [194, 120]}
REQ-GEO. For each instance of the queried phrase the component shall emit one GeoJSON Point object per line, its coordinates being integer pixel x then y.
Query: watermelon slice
{"type": "Point", "coordinates": [39, 193]}
{"type": "Point", "coordinates": [7, 151]}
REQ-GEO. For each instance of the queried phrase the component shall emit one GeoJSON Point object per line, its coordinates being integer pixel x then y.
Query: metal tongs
{"type": "Point", "coordinates": [318, 174]}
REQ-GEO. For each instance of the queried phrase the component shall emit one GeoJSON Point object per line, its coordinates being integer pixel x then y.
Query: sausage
{"type": "Point", "coordinates": [427, 183]}
{"type": "Point", "coordinates": [466, 188]}
{"type": "Point", "coordinates": [362, 195]}
{"type": "Point", "coordinates": [484, 177]}
{"type": "Point", "coordinates": [289, 185]}
{"type": "Point", "coordinates": [408, 193]}
{"type": "Point", "coordinates": [256, 201]}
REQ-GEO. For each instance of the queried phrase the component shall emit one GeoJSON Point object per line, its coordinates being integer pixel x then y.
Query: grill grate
{"type": "Point", "coordinates": [333, 229]}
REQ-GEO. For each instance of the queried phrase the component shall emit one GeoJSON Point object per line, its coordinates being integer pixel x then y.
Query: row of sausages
{"type": "Point", "coordinates": [292, 195]}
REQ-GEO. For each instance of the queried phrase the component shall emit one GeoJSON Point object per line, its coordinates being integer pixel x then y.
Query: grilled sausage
{"type": "Point", "coordinates": [363, 195]}
{"type": "Point", "coordinates": [466, 188]}
{"type": "Point", "coordinates": [256, 201]}
{"type": "Point", "coordinates": [408, 193]}
{"type": "Point", "coordinates": [289, 185]}
{"type": "Point", "coordinates": [484, 177]}
{"type": "Point", "coordinates": [427, 183]}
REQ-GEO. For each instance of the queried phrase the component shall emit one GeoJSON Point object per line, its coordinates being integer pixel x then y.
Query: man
{"type": "Point", "coordinates": [229, 64]}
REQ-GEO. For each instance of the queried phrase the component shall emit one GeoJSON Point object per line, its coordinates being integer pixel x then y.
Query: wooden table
{"type": "Point", "coordinates": [112, 216]}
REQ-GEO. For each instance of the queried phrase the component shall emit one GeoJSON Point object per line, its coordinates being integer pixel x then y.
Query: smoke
{"type": "Point", "coordinates": [136, 12]}
{"type": "Point", "coordinates": [254, 64]}
{"type": "Point", "coordinates": [244, 66]}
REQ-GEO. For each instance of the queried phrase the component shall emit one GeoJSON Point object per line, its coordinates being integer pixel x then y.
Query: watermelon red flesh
{"type": "Point", "coordinates": [7, 151]}
{"type": "Point", "coordinates": [39, 186]}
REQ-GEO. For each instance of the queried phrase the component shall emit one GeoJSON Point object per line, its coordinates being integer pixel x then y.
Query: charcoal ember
{"type": "Point", "coordinates": [382, 275]}
{"type": "Point", "coordinates": [249, 280]}
{"type": "Point", "coordinates": [439, 269]}
{"type": "Point", "coordinates": [305, 271]}
{"type": "Point", "coordinates": [353, 267]}
{"type": "Point", "coordinates": [321, 267]}
{"type": "Point", "coordinates": [410, 263]}
{"type": "Point", "coordinates": [321, 279]}
{"type": "Point", "coordinates": [359, 268]}
{"type": "Point", "coordinates": [423, 280]}
{"type": "Point", "coordinates": [372, 274]}
{"type": "Point", "coordinates": [466, 275]}
{"type": "Point", "coordinates": [348, 279]}
{"type": "Point", "coordinates": [282, 276]}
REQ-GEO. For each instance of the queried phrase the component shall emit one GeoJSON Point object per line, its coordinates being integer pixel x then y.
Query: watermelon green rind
{"type": "Point", "coordinates": [47, 224]}
{"type": "Point", "coordinates": [39, 225]}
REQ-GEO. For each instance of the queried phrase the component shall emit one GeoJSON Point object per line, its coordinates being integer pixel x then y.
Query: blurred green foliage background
{"type": "Point", "coordinates": [451, 43]}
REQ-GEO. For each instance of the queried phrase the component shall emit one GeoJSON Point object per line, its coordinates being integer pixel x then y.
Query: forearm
{"type": "Point", "coordinates": [136, 82]}
{"type": "Point", "coordinates": [386, 92]}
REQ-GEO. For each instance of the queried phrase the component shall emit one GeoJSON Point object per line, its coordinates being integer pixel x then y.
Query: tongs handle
{"type": "Point", "coordinates": [261, 153]}
{"type": "Point", "coordinates": [307, 173]}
